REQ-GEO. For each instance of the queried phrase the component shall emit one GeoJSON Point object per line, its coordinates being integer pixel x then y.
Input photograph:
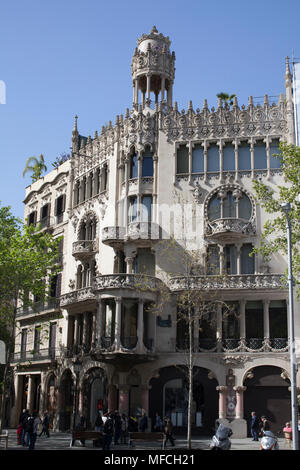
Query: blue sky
{"type": "Point", "coordinates": [59, 58]}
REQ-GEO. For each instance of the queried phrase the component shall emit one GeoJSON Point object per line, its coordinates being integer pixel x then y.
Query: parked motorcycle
{"type": "Point", "coordinates": [220, 440]}
{"type": "Point", "coordinates": [269, 441]}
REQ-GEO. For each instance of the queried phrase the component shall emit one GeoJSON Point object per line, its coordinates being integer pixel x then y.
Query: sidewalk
{"type": "Point", "coordinates": [61, 441]}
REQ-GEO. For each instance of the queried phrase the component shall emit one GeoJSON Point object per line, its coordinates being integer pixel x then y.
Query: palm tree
{"type": "Point", "coordinates": [228, 99]}
{"type": "Point", "coordinates": [36, 166]}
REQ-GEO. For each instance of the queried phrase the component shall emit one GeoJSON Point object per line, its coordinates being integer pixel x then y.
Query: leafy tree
{"type": "Point", "coordinates": [28, 261]}
{"type": "Point", "coordinates": [274, 237]}
{"type": "Point", "coordinates": [37, 166]}
{"type": "Point", "coordinates": [226, 98]}
{"type": "Point", "coordinates": [61, 159]}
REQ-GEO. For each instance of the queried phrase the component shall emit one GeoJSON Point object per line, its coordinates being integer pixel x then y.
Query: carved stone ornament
{"type": "Point", "coordinates": [236, 360]}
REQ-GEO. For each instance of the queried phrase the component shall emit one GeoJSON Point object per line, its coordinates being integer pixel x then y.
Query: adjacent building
{"type": "Point", "coordinates": [160, 177]}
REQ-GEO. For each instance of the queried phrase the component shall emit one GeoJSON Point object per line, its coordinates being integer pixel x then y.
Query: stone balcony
{"type": "Point", "coordinates": [77, 296]}
{"type": "Point", "coordinates": [83, 249]}
{"type": "Point", "coordinates": [229, 229]}
{"type": "Point", "coordinates": [128, 283]}
{"type": "Point", "coordinates": [140, 232]}
{"type": "Point", "coordinates": [228, 282]}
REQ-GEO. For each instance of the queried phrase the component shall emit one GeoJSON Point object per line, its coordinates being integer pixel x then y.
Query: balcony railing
{"type": "Point", "coordinates": [140, 282]}
{"type": "Point", "coordinates": [84, 248]}
{"type": "Point", "coordinates": [80, 295]}
{"type": "Point", "coordinates": [231, 227]}
{"type": "Point", "coordinates": [38, 307]}
{"type": "Point", "coordinates": [35, 355]}
{"type": "Point", "coordinates": [227, 282]}
{"type": "Point", "coordinates": [232, 345]}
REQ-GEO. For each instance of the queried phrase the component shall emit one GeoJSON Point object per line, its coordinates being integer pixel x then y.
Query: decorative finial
{"type": "Point", "coordinates": [75, 122]}
{"type": "Point", "coordinates": [154, 30]}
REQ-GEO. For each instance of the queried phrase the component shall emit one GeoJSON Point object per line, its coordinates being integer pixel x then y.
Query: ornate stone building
{"type": "Point", "coordinates": [160, 174]}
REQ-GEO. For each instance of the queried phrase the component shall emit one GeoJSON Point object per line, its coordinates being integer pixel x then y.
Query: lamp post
{"type": "Point", "coordinates": [286, 207]}
{"type": "Point", "coordinates": [76, 368]}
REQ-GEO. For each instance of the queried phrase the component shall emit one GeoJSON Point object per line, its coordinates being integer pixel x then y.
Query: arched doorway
{"type": "Point", "coordinates": [66, 390]}
{"type": "Point", "coordinates": [95, 395]}
{"type": "Point", "coordinates": [267, 394]}
{"type": "Point", "coordinates": [169, 397]}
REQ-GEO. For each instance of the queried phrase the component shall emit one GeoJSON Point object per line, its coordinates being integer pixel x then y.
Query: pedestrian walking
{"type": "Point", "coordinates": [117, 427]}
{"type": "Point", "coordinates": [99, 422]}
{"type": "Point", "coordinates": [254, 426]}
{"type": "Point", "coordinates": [32, 429]}
{"type": "Point", "coordinates": [124, 428]}
{"type": "Point", "coordinates": [264, 425]}
{"type": "Point", "coordinates": [143, 422]}
{"type": "Point", "coordinates": [168, 431]}
{"type": "Point", "coordinates": [108, 431]}
{"type": "Point", "coordinates": [45, 424]}
{"type": "Point", "coordinates": [158, 425]}
{"type": "Point", "coordinates": [23, 419]}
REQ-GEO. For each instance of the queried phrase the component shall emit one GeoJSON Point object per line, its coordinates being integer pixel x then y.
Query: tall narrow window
{"type": "Point", "coordinates": [214, 208]}
{"type": "Point", "coordinates": [260, 156]}
{"type": "Point", "coordinates": [147, 165]}
{"type": "Point", "coordinates": [275, 159]}
{"type": "Point", "coordinates": [134, 166]}
{"type": "Point", "coordinates": [132, 212]}
{"type": "Point", "coordinates": [244, 156]}
{"type": "Point", "coordinates": [60, 208]}
{"type": "Point", "coordinates": [213, 260]}
{"type": "Point", "coordinates": [228, 157]}
{"type": "Point", "coordinates": [247, 262]}
{"type": "Point", "coordinates": [213, 158]}
{"type": "Point", "coordinates": [146, 209]}
{"type": "Point", "coordinates": [229, 206]}
{"type": "Point", "coordinates": [32, 218]}
{"type": "Point", "coordinates": [182, 159]}
{"type": "Point", "coordinates": [197, 159]}
{"type": "Point", "coordinates": [230, 259]}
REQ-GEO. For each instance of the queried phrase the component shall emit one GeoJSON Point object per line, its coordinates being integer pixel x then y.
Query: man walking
{"type": "Point", "coordinates": [46, 422]}
{"type": "Point", "coordinates": [254, 427]}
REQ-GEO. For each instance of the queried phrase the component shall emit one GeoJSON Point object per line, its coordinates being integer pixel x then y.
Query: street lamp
{"type": "Point", "coordinates": [76, 368]}
{"type": "Point", "coordinates": [286, 207]}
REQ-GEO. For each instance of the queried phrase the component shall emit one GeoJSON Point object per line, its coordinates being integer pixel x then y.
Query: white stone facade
{"type": "Point", "coordinates": [192, 173]}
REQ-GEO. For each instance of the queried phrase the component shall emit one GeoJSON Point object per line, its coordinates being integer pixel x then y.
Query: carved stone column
{"type": "Point", "coordinates": [140, 327]}
{"type": "Point", "coordinates": [266, 303]}
{"type": "Point", "coordinates": [239, 409]}
{"type": "Point", "coordinates": [30, 393]}
{"type": "Point", "coordinates": [100, 321]}
{"type": "Point", "coordinates": [222, 401]}
{"type": "Point", "coordinates": [118, 323]}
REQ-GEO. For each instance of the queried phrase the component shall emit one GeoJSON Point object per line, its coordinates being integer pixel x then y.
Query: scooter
{"type": "Point", "coordinates": [269, 441]}
{"type": "Point", "coordinates": [220, 440]}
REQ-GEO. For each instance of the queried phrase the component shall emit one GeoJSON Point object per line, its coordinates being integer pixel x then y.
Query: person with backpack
{"type": "Point", "coordinates": [108, 431]}
{"type": "Point", "coordinates": [23, 419]}
{"type": "Point", "coordinates": [32, 428]}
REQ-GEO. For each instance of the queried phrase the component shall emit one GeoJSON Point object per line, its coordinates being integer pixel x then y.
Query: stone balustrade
{"type": "Point", "coordinates": [228, 282]}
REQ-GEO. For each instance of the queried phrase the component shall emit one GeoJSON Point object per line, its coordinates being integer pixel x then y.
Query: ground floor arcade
{"type": "Point", "coordinates": [224, 388]}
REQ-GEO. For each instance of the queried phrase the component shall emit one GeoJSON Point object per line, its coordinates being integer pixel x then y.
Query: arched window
{"type": "Point", "coordinates": [231, 203]}
{"type": "Point", "coordinates": [133, 166]}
